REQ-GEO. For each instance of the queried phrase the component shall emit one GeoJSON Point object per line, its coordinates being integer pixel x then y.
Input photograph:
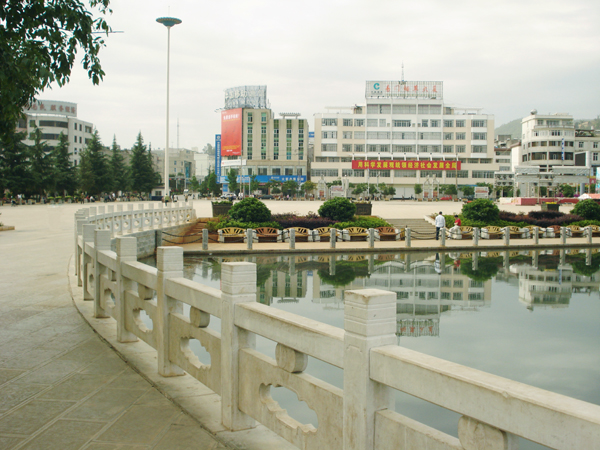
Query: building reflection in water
{"type": "Point", "coordinates": [427, 285]}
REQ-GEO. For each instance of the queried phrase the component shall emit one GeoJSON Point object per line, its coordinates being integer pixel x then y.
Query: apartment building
{"type": "Point", "coordinates": [257, 142]}
{"type": "Point", "coordinates": [53, 118]}
{"type": "Point", "coordinates": [404, 134]}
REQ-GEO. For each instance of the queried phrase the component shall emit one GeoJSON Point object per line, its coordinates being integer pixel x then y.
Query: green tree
{"type": "Point", "coordinates": [254, 184]}
{"type": "Point", "coordinates": [339, 209]}
{"type": "Point", "coordinates": [39, 41]}
{"type": "Point", "coordinates": [213, 187]}
{"type": "Point", "coordinates": [418, 189]}
{"type": "Point", "coordinates": [289, 187]}
{"type": "Point", "coordinates": [448, 189]}
{"type": "Point", "coordinates": [118, 168]}
{"type": "Point", "coordinates": [63, 174]}
{"type": "Point", "coordinates": [14, 164]}
{"type": "Point", "coordinates": [309, 186]}
{"type": "Point", "coordinates": [94, 173]}
{"type": "Point", "coordinates": [143, 177]}
{"type": "Point", "coordinates": [194, 186]}
{"type": "Point", "coordinates": [359, 189]}
{"type": "Point", "coordinates": [467, 190]}
{"type": "Point", "coordinates": [40, 164]}
{"type": "Point", "coordinates": [567, 190]}
{"type": "Point", "coordinates": [234, 186]}
{"type": "Point", "coordinates": [209, 149]}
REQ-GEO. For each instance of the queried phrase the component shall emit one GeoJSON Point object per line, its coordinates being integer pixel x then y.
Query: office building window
{"type": "Point", "coordinates": [329, 122]}
{"type": "Point", "coordinates": [359, 135]}
{"type": "Point", "coordinates": [435, 123]}
{"type": "Point", "coordinates": [329, 134]}
{"type": "Point", "coordinates": [382, 123]}
{"type": "Point", "coordinates": [347, 135]}
{"type": "Point", "coordinates": [448, 136]}
{"type": "Point", "coordinates": [347, 148]}
{"type": "Point", "coordinates": [249, 117]}
{"type": "Point", "coordinates": [263, 117]}
{"type": "Point", "coordinates": [404, 109]}
{"type": "Point", "coordinates": [460, 124]}
{"type": "Point", "coordinates": [448, 148]}
{"type": "Point", "coordinates": [478, 124]}
{"type": "Point", "coordinates": [479, 136]}
{"type": "Point", "coordinates": [478, 149]}
{"type": "Point", "coordinates": [372, 122]}
{"type": "Point", "coordinates": [359, 148]}
{"type": "Point", "coordinates": [402, 123]}
{"type": "Point", "coordinates": [329, 147]}
{"type": "Point", "coordinates": [424, 123]}
{"type": "Point", "coordinates": [448, 123]}
{"type": "Point", "coordinates": [461, 136]}
{"type": "Point", "coordinates": [359, 122]}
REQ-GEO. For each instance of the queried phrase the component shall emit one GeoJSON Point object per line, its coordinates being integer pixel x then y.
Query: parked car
{"type": "Point", "coordinates": [266, 197]}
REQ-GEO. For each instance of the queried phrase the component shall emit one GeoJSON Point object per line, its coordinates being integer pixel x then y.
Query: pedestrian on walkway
{"type": "Point", "coordinates": [440, 222]}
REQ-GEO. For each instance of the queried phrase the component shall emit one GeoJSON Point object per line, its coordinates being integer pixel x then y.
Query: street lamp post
{"type": "Point", "coordinates": [168, 22]}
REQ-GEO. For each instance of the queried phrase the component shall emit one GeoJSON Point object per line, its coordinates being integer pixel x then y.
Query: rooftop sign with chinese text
{"type": "Point", "coordinates": [52, 107]}
{"type": "Point", "coordinates": [375, 164]}
{"type": "Point", "coordinates": [405, 89]}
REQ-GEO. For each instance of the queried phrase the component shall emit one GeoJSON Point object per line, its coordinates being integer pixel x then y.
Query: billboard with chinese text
{"type": "Point", "coordinates": [231, 132]}
{"type": "Point", "coordinates": [375, 164]}
{"type": "Point", "coordinates": [405, 89]}
{"type": "Point", "coordinates": [52, 107]}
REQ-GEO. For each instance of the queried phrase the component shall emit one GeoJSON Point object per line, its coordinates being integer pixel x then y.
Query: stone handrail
{"type": "Point", "coordinates": [359, 416]}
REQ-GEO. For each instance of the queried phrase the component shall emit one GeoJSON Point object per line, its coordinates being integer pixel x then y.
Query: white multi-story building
{"type": "Point", "coordinates": [405, 135]}
{"type": "Point", "coordinates": [53, 118]}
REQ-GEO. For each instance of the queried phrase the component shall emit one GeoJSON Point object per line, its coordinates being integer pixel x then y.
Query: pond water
{"type": "Point", "coordinates": [528, 316]}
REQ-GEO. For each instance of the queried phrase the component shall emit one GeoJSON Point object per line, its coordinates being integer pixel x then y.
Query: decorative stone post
{"type": "Point", "coordinates": [119, 219]}
{"type": "Point", "coordinates": [443, 236]}
{"type": "Point", "coordinates": [407, 238]}
{"type": "Point", "coordinates": [126, 252]}
{"type": "Point", "coordinates": [371, 237]}
{"type": "Point", "coordinates": [169, 262]}
{"type": "Point", "coordinates": [506, 236]}
{"type": "Point", "coordinates": [205, 239]}
{"type": "Point", "coordinates": [475, 236]}
{"type": "Point", "coordinates": [130, 217]}
{"type": "Point", "coordinates": [101, 243]}
{"type": "Point", "coordinates": [249, 238]}
{"type": "Point", "coordinates": [332, 238]}
{"type": "Point", "coordinates": [238, 284]}
{"type": "Point", "coordinates": [369, 322]}
{"type": "Point", "coordinates": [589, 234]}
{"type": "Point", "coordinates": [563, 235]}
{"type": "Point", "coordinates": [141, 217]}
{"type": "Point", "coordinates": [292, 239]}
{"type": "Point", "coordinates": [536, 235]}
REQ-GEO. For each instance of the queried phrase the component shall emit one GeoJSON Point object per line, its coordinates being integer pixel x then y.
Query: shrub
{"type": "Point", "coordinates": [545, 214]}
{"type": "Point", "coordinates": [339, 209]}
{"type": "Point", "coordinates": [223, 202]}
{"type": "Point", "coordinates": [364, 222]}
{"type": "Point", "coordinates": [226, 223]}
{"type": "Point", "coordinates": [482, 210]}
{"type": "Point", "coordinates": [310, 221]}
{"type": "Point", "coordinates": [588, 209]}
{"type": "Point", "coordinates": [250, 210]}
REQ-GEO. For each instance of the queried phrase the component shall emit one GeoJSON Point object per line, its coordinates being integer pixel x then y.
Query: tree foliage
{"type": "Point", "coordinates": [64, 178]}
{"type": "Point", "coordinates": [118, 168]}
{"type": "Point", "coordinates": [481, 210]}
{"type": "Point", "coordinates": [143, 176]}
{"type": "Point", "coordinates": [39, 41]}
{"type": "Point", "coordinates": [250, 210]}
{"type": "Point", "coordinates": [94, 172]}
{"type": "Point", "coordinates": [234, 186]}
{"type": "Point", "coordinates": [588, 209]}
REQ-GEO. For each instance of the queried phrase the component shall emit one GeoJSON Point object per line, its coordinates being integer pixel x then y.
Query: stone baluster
{"type": "Point", "coordinates": [119, 220]}
{"type": "Point", "coordinates": [80, 219]}
{"type": "Point", "coordinates": [142, 217]}
{"type": "Point", "coordinates": [536, 235]}
{"type": "Point", "coordinates": [150, 215]}
{"type": "Point", "coordinates": [101, 242]}
{"type": "Point", "coordinates": [506, 235]}
{"type": "Point", "coordinates": [589, 234]}
{"type": "Point", "coordinates": [476, 435]}
{"type": "Point", "coordinates": [443, 236]}
{"type": "Point", "coordinates": [130, 217]}
{"type": "Point", "coordinates": [332, 238]}
{"type": "Point", "coordinates": [205, 239]}
{"type": "Point", "coordinates": [238, 284]}
{"type": "Point", "coordinates": [88, 237]}
{"type": "Point", "coordinates": [126, 252]}
{"type": "Point", "coordinates": [169, 262]}
{"type": "Point", "coordinates": [475, 236]}
{"type": "Point", "coordinates": [407, 237]}
{"type": "Point", "coordinates": [110, 219]}
{"type": "Point", "coordinates": [292, 232]}
{"type": "Point", "coordinates": [563, 235]}
{"type": "Point", "coordinates": [371, 237]}
{"type": "Point", "coordinates": [369, 322]}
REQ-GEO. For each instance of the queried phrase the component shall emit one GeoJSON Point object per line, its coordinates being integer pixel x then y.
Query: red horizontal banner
{"type": "Point", "coordinates": [405, 165]}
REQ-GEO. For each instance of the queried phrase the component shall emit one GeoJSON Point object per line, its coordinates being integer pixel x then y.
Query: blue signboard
{"type": "Point", "coordinates": [311, 134]}
{"type": "Point", "coordinates": [218, 157]}
{"type": "Point", "coordinates": [563, 149]}
{"type": "Point", "coordinates": [266, 178]}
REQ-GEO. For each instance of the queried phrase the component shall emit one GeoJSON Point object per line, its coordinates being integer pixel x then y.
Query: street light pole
{"type": "Point", "coordinates": [168, 22]}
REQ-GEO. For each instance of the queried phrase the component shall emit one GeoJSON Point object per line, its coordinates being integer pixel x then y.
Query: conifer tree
{"type": "Point", "coordinates": [118, 168]}
{"type": "Point", "coordinates": [94, 175]}
{"type": "Point", "coordinates": [64, 179]}
{"type": "Point", "coordinates": [14, 173]}
{"type": "Point", "coordinates": [40, 164]}
{"type": "Point", "coordinates": [143, 177]}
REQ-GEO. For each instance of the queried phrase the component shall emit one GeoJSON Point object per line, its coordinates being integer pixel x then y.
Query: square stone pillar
{"type": "Point", "coordinates": [88, 237]}
{"type": "Point", "coordinates": [369, 321]}
{"type": "Point", "coordinates": [238, 284]}
{"type": "Point", "coordinates": [169, 262]}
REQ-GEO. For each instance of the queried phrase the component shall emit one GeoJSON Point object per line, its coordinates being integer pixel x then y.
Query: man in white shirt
{"type": "Point", "coordinates": [440, 222]}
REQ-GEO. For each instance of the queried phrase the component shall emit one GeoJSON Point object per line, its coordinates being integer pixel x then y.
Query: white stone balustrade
{"type": "Point", "coordinates": [494, 410]}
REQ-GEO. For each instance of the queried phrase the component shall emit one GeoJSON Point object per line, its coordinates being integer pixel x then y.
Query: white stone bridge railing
{"type": "Point", "coordinates": [360, 416]}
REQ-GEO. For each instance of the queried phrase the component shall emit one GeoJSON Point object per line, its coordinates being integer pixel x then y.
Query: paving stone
{"type": "Point", "coordinates": [52, 372]}
{"type": "Point", "coordinates": [129, 380]}
{"type": "Point", "coordinates": [103, 446]}
{"type": "Point", "coordinates": [31, 358]}
{"type": "Point", "coordinates": [105, 404]}
{"type": "Point", "coordinates": [183, 437]}
{"type": "Point", "coordinates": [76, 387]}
{"type": "Point", "coordinates": [7, 442]}
{"type": "Point", "coordinates": [9, 374]}
{"type": "Point", "coordinates": [109, 364]}
{"type": "Point", "coordinates": [64, 435]}
{"type": "Point", "coordinates": [32, 416]}
{"type": "Point", "coordinates": [87, 351]}
{"type": "Point", "coordinates": [140, 424]}
{"type": "Point", "coordinates": [13, 394]}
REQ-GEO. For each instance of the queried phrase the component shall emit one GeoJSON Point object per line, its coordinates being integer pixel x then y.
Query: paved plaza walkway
{"type": "Point", "coordinates": [61, 385]}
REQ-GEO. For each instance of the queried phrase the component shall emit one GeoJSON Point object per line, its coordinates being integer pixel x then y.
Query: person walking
{"type": "Point", "coordinates": [440, 222]}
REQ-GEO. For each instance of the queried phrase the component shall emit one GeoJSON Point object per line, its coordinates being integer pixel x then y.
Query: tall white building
{"type": "Point", "coordinates": [404, 135]}
{"type": "Point", "coordinates": [53, 118]}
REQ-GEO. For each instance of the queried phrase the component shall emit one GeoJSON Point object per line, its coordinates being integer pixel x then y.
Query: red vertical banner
{"type": "Point", "coordinates": [231, 132]}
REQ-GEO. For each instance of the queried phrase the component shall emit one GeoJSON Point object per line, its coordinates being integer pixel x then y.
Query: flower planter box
{"type": "Point", "coordinates": [550, 206]}
{"type": "Point", "coordinates": [220, 210]}
{"type": "Point", "coordinates": [363, 209]}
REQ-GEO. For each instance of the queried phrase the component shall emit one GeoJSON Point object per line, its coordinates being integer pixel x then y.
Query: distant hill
{"type": "Point", "coordinates": [513, 128]}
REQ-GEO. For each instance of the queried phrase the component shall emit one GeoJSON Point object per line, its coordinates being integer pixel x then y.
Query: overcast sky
{"type": "Point", "coordinates": [507, 57]}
